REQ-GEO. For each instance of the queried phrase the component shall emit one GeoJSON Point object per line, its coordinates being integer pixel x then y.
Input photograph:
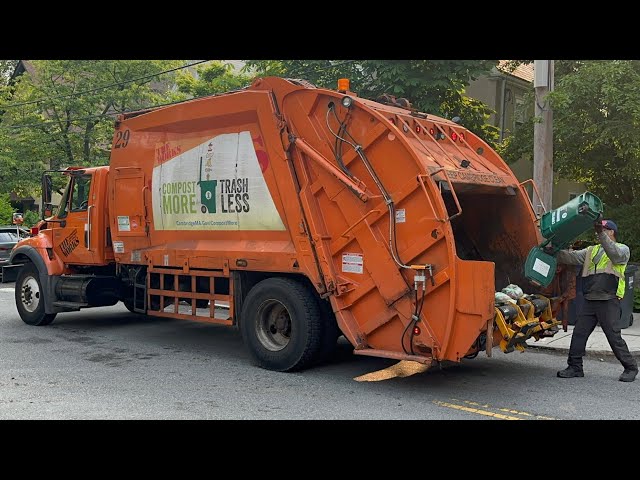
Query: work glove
{"type": "Point", "coordinates": [598, 226]}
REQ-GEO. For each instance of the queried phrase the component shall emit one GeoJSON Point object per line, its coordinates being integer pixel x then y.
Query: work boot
{"type": "Point", "coordinates": [570, 372]}
{"type": "Point", "coordinates": [629, 375]}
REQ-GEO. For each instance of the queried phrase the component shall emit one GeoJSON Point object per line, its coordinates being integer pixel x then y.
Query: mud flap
{"type": "Point", "coordinates": [10, 273]}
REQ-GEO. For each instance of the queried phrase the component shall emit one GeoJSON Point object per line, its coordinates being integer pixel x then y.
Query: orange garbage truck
{"type": "Point", "coordinates": [297, 214]}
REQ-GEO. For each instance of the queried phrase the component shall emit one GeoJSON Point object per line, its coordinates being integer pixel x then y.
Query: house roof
{"type": "Point", "coordinates": [523, 71]}
{"type": "Point", "coordinates": [21, 67]}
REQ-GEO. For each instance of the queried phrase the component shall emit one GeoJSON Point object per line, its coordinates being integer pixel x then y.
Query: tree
{"type": "Point", "coordinates": [6, 210]}
{"type": "Point", "coordinates": [432, 86]}
{"type": "Point", "coordinates": [596, 110]}
{"type": "Point", "coordinates": [63, 115]}
{"type": "Point", "coordinates": [211, 78]}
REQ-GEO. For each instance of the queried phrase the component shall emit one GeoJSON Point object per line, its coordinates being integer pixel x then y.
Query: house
{"type": "Point", "coordinates": [504, 91]}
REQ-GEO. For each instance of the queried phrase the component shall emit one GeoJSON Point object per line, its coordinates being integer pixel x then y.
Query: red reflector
{"type": "Point", "coordinates": [432, 131]}
{"type": "Point", "coordinates": [34, 231]}
{"type": "Point", "coordinates": [418, 129]}
{"type": "Point", "coordinates": [454, 136]}
{"type": "Point", "coordinates": [416, 330]}
{"type": "Point", "coordinates": [392, 120]}
{"type": "Point", "coordinates": [3, 249]}
{"type": "Point", "coordinates": [461, 136]}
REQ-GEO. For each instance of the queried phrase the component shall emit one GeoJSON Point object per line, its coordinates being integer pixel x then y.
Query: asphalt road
{"type": "Point", "coordinates": [107, 363]}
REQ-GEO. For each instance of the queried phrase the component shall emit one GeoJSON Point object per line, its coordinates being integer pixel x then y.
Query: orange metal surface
{"type": "Point", "coordinates": [80, 239]}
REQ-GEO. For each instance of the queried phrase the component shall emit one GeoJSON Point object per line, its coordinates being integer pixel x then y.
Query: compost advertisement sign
{"type": "Point", "coordinates": [217, 185]}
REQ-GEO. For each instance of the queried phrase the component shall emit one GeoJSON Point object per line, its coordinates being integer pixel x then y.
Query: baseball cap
{"type": "Point", "coordinates": [610, 225]}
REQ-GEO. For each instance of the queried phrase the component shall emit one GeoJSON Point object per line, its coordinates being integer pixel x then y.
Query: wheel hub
{"type": "Point", "coordinates": [273, 327]}
{"type": "Point", "coordinates": [30, 294]}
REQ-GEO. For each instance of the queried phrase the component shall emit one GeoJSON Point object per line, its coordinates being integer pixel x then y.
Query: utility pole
{"type": "Point", "coordinates": [543, 135]}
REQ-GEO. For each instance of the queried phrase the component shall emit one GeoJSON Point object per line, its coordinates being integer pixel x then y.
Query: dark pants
{"type": "Point", "coordinates": [607, 312]}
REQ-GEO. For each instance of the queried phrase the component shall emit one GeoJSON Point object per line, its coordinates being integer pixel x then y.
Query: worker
{"type": "Point", "coordinates": [603, 286]}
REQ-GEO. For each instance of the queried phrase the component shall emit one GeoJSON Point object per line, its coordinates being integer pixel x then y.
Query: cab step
{"type": "Point", "coordinates": [70, 306]}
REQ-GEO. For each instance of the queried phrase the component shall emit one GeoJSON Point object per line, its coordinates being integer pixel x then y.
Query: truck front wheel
{"type": "Point", "coordinates": [281, 325]}
{"type": "Point", "coordinates": [30, 297]}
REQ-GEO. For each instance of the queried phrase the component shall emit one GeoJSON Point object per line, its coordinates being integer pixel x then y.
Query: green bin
{"type": "Point", "coordinates": [569, 221]}
{"type": "Point", "coordinates": [560, 227]}
{"type": "Point", "coordinates": [540, 267]}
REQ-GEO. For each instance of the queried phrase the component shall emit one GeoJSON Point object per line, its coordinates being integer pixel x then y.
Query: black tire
{"type": "Point", "coordinates": [631, 319]}
{"type": "Point", "coordinates": [201, 303]}
{"type": "Point", "coordinates": [281, 325]}
{"type": "Point", "coordinates": [129, 306]}
{"type": "Point", "coordinates": [30, 297]}
{"type": "Point", "coordinates": [203, 209]}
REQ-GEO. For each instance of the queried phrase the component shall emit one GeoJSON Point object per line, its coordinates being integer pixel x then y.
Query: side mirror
{"type": "Point", "coordinates": [47, 188]}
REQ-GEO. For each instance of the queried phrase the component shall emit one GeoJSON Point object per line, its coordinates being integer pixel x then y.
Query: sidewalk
{"type": "Point", "coordinates": [597, 344]}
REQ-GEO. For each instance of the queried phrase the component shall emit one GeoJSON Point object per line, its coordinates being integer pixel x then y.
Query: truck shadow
{"type": "Point", "coordinates": [105, 329]}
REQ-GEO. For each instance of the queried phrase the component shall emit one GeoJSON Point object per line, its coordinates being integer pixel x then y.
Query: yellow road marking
{"type": "Point", "coordinates": [475, 410]}
{"type": "Point", "coordinates": [406, 368]}
{"type": "Point", "coordinates": [403, 368]}
{"type": "Point", "coordinates": [506, 410]}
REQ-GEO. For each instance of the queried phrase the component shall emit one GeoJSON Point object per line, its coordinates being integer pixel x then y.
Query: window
{"type": "Point", "coordinates": [76, 196]}
{"type": "Point", "coordinates": [519, 114]}
{"type": "Point", "coordinates": [80, 193]}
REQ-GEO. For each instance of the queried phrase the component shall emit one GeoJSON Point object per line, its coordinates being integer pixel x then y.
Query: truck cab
{"type": "Point", "coordinates": [69, 254]}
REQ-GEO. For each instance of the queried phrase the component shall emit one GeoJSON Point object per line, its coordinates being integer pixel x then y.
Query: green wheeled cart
{"type": "Point", "coordinates": [560, 227]}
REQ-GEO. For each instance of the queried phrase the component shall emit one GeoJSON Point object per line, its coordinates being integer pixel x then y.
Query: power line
{"type": "Point", "coordinates": [141, 109]}
{"type": "Point", "coordinates": [103, 87]}
{"type": "Point", "coordinates": [49, 122]}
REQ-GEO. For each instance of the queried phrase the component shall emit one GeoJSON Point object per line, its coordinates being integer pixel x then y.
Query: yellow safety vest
{"type": "Point", "coordinates": [605, 265]}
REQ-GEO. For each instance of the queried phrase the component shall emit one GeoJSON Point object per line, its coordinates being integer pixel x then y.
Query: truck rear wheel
{"type": "Point", "coordinates": [281, 325]}
{"type": "Point", "coordinates": [30, 297]}
{"type": "Point", "coordinates": [129, 305]}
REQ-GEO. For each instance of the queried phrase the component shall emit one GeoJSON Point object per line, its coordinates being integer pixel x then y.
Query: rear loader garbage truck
{"type": "Point", "coordinates": [297, 214]}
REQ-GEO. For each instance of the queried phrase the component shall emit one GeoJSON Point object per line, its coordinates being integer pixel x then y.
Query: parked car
{"type": "Point", "coordinates": [9, 236]}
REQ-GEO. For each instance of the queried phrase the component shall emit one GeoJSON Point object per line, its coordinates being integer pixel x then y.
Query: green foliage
{"type": "Point", "coordinates": [30, 218]}
{"type": "Point", "coordinates": [211, 78]}
{"type": "Point", "coordinates": [596, 111]}
{"type": "Point", "coordinates": [6, 210]}
{"type": "Point", "coordinates": [636, 300]}
{"type": "Point", "coordinates": [432, 86]}
{"type": "Point", "coordinates": [61, 116]}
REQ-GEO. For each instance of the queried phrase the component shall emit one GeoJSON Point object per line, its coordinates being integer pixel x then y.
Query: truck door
{"type": "Point", "coordinates": [71, 237]}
